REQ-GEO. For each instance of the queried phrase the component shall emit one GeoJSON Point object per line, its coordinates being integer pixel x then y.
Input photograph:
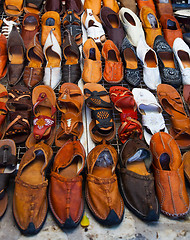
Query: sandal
{"type": "Point", "coordinates": [33, 6]}
{"type": "Point", "coordinates": [69, 102]}
{"type": "Point", "coordinates": [93, 26]}
{"type": "Point", "coordinates": [44, 108]}
{"type": "Point", "coordinates": [172, 103]}
{"type": "Point", "coordinates": [8, 163]}
{"type": "Point", "coordinates": [102, 126]}
{"type": "Point", "coordinates": [125, 104]}
{"type": "Point", "coordinates": [33, 73]}
{"type": "Point", "coordinates": [71, 21]}
{"type": "Point", "coordinates": [13, 8]}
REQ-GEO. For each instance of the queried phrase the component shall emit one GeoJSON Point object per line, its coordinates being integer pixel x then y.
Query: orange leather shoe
{"type": "Point", "coordinates": [169, 175]}
{"type": "Point", "coordinates": [170, 28]}
{"type": "Point", "coordinates": [164, 7]}
{"type": "Point", "coordinates": [3, 56]}
{"type": "Point", "coordinates": [102, 193]}
{"type": "Point", "coordinates": [65, 190]}
{"type": "Point", "coordinates": [113, 71]}
{"type": "Point", "coordinates": [51, 20]}
{"type": "Point", "coordinates": [111, 4]}
{"type": "Point", "coordinates": [94, 5]}
{"type": "Point", "coordinates": [92, 70]}
{"type": "Point", "coordinates": [147, 3]}
{"type": "Point", "coordinates": [150, 24]}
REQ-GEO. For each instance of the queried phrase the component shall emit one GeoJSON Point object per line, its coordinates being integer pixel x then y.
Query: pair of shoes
{"type": "Point", "coordinates": [69, 103]}
{"type": "Point", "coordinates": [92, 70]}
{"type": "Point", "coordinates": [44, 110]}
{"type": "Point", "coordinates": [96, 5]}
{"type": "Point", "coordinates": [102, 126]}
{"type": "Point", "coordinates": [168, 169]}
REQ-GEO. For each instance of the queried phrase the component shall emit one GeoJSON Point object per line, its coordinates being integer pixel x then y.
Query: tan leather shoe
{"type": "Point", "coordinates": [150, 24]}
{"type": "Point", "coordinates": [169, 175]}
{"type": "Point", "coordinates": [147, 3]}
{"type": "Point", "coordinates": [51, 20]}
{"type": "Point", "coordinates": [30, 200]}
{"type": "Point", "coordinates": [102, 194]}
{"type": "Point", "coordinates": [92, 70]}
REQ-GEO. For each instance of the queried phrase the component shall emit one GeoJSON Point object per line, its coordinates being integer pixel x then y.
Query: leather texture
{"type": "Point", "coordinates": [131, 4]}
{"type": "Point", "coordinates": [53, 5]}
{"type": "Point", "coordinates": [94, 5]}
{"type": "Point", "coordinates": [147, 3]}
{"type": "Point", "coordinates": [75, 5]}
{"type": "Point", "coordinates": [164, 7]}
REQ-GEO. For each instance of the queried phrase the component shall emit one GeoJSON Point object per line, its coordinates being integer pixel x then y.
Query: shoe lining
{"type": "Point", "coordinates": [152, 20]}
{"type": "Point", "coordinates": [164, 161]}
{"type": "Point", "coordinates": [171, 25]}
{"type": "Point", "coordinates": [130, 59]}
{"type": "Point", "coordinates": [150, 59]}
{"type": "Point", "coordinates": [184, 57]}
{"type": "Point", "coordinates": [113, 20]}
{"type": "Point", "coordinates": [129, 18]}
{"type": "Point", "coordinates": [73, 168]}
{"type": "Point", "coordinates": [167, 59]}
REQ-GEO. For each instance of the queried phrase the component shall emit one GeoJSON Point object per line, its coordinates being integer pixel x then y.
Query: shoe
{"type": "Point", "coordinates": [132, 25]}
{"type": "Point", "coordinates": [169, 176]}
{"type": "Point", "coordinates": [182, 54]}
{"type": "Point", "coordinates": [164, 7]}
{"type": "Point", "coordinates": [131, 4]}
{"type": "Point", "coordinates": [53, 5]}
{"type": "Point", "coordinates": [71, 54]}
{"type": "Point", "coordinates": [113, 70]}
{"type": "Point", "coordinates": [92, 69]}
{"type": "Point", "coordinates": [30, 205]}
{"type": "Point", "coordinates": [167, 62]}
{"type": "Point", "coordinates": [13, 8]}
{"type": "Point", "coordinates": [171, 28]}
{"type": "Point", "coordinates": [134, 171]}
{"type": "Point", "coordinates": [3, 56]}
{"type": "Point", "coordinates": [33, 6]}
{"type": "Point", "coordinates": [150, 64]}
{"type": "Point", "coordinates": [16, 56]}
{"type": "Point", "coordinates": [112, 25]}
{"type": "Point", "coordinates": [52, 53]}
{"type": "Point", "coordinates": [95, 6]}
{"type": "Point", "coordinates": [150, 24]}
{"type": "Point", "coordinates": [146, 3]}
{"type": "Point", "coordinates": [112, 4]}
{"type": "Point", "coordinates": [75, 5]}
{"type": "Point", "coordinates": [131, 71]}
{"type": "Point", "coordinates": [65, 189]}
{"type": "Point", "coordinates": [102, 193]}
{"type": "Point", "coordinates": [51, 21]}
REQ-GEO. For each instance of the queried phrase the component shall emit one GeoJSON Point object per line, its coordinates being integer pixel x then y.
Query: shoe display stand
{"type": "Point", "coordinates": [131, 227]}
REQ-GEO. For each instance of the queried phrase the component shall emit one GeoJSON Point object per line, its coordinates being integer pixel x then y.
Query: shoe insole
{"type": "Point", "coordinates": [70, 56]}
{"type": "Point", "coordinates": [184, 57]}
{"type": "Point", "coordinates": [151, 108]}
{"type": "Point", "coordinates": [129, 18]}
{"type": "Point", "coordinates": [53, 58]}
{"type": "Point", "coordinates": [30, 23]}
{"type": "Point", "coordinates": [35, 61]}
{"type": "Point", "coordinates": [171, 25]}
{"type": "Point", "coordinates": [32, 172]}
{"type": "Point", "coordinates": [112, 56]}
{"type": "Point", "coordinates": [164, 161]}
{"type": "Point", "coordinates": [138, 167]}
{"type": "Point", "coordinates": [130, 59]}
{"type": "Point", "coordinates": [152, 20]}
{"type": "Point", "coordinates": [72, 170]}
{"type": "Point", "coordinates": [167, 59]}
{"type": "Point", "coordinates": [50, 22]}
{"type": "Point", "coordinates": [113, 20]}
{"type": "Point", "coordinates": [150, 59]}
{"type": "Point", "coordinates": [102, 172]}
{"type": "Point", "coordinates": [16, 55]}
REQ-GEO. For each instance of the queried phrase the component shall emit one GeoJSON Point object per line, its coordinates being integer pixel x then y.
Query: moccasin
{"type": "Point", "coordinates": [164, 7]}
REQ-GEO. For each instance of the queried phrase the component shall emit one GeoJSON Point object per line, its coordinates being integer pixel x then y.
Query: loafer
{"type": "Point", "coordinates": [171, 28]}
{"type": "Point", "coordinates": [168, 64]}
{"type": "Point", "coordinates": [164, 7]}
{"type": "Point", "coordinates": [149, 60]}
{"type": "Point", "coordinates": [132, 25]}
{"type": "Point", "coordinates": [16, 56]}
{"type": "Point", "coordinates": [112, 25]}
{"type": "Point", "coordinates": [169, 175]}
{"type": "Point", "coordinates": [30, 203]}
{"type": "Point", "coordinates": [134, 171]}
{"type": "Point", "coordinates": [65, 191]}
{"type": "Point", "coordinates": [182, 54]}
{"type": "Point", "coordinates": [102, 193]}
{"type": "Point", "coordinates": [130, 60]}
{"type": "Point", "coordinates": [150, 24]}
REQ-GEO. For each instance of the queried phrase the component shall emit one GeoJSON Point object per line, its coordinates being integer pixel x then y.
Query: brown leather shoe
{"type": "Point", "coordinates": [131, 4]}
{"type": "Point", "coordinates": [51, 20]}
{"type": "Point", "coordinates": [75, 5]}
{"type": "Point", "coordinates": [92, 70]}
{"type": "Point", "coordinates": [3, 56]}
{"type": "Point", "coordinates": [16, 55]}
{"type": "Point", "coordinates": [94, 5]}
{"type": "Point", "coordinates": [169, 175]}
{"type": "Point", "coordinates": [147, 3]}
{"type": "Point", "coordinates": [164, 7]}
{"type": "Point", "coordinates": [113, 71]}
{"type": "Point", "coordinates": [53, 5]}
{"type": "Point", "coordinates": [30, 203]}
{"type": "Point", "coordinates": [102, 193]}
{"type": "Point", "coordinates": [65, 190]}
{"type": "Point", "coordinates": [30, 26]}
{"type": "Point", "coordinates": [170, 28]}
{"type": "Point", "coordinates": [150, 24]}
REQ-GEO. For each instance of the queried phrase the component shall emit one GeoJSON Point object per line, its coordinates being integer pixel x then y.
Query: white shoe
{"type": "Point", "coordinates": [147, 55]}
{"type": "Point", "coordinates": [152, 118]}
{"type": "Point", "coordinates": [52, 52]}
{"type": "Point", "coordinates": [132, 25]}
{"type": "Point", "coordinates": [182, 53]}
